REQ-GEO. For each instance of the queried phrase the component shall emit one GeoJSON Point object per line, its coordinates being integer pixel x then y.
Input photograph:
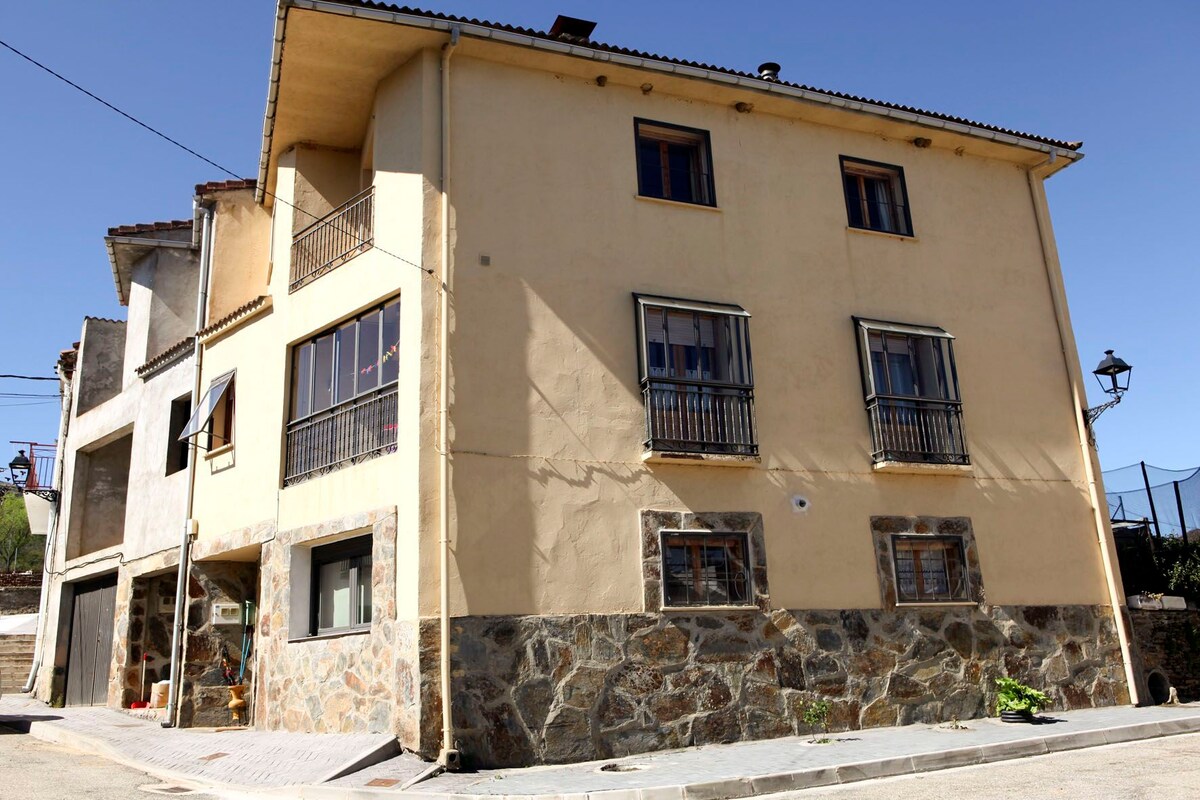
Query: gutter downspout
{"type": "Point", "coordinates": [51, 531]}
{"type": "Point", "coordinates": [449, 755]}
{"type": "Point", "coordinates": [1079, 404]}
{"type": "Point", "coordinates": [189, 525]}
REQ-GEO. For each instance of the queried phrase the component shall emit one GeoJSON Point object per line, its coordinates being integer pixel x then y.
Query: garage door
{"type": "Point", "coordinates": [90, 654]}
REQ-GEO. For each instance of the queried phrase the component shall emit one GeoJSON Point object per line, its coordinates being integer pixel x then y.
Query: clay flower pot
{"type": "Point", "coordinates": [237, 704]}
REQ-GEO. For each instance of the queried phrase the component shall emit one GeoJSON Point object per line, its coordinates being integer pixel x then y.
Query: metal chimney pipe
{"type": "Point", "coordinates": [769, 71]}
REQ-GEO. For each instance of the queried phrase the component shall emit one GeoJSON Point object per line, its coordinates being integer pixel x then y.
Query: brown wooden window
{"type": "Point", "coordinates": [929, 569]}
{"type": "Point", "coordinates": [705, 569]}
{"type": "Point", "coordinates": [674, 163]}
{"type": "Point", "coordinates": [876, 198]}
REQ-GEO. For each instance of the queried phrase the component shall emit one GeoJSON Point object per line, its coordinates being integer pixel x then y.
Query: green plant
{"type": "Point", "coordinates": [1016, 696]}
{"type": "Point", "coordinates": [18, 547]}
{"type": "Point", "coordinates": [816, 712]}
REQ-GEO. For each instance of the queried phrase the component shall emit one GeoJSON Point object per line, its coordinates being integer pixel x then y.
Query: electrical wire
{"type": "Point", "coordinates": [192, 152]}
{"type": "Point", "coordinates": [27, 377]}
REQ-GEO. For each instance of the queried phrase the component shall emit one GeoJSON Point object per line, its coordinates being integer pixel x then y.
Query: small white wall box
{"type": "Point", "coordinates": [227, 614]}
{"type": "Point", "coordinates": [1144, 603]}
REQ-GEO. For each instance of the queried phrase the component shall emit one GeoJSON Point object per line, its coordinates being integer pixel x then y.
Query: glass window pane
{"type": "Point", "coordinates": [679, 588]}
{"type": "Point", "coordinates": [334, 599]}
{"type": "Point", "coordinates": [854, 201]}
{"type": "Point", "coordinates": [368, 352]}
{"type": "Point", "coordinates": [344, 375]}
{"type": "Point", "coordinates": [363, 590]}
{"type": "Point", "coordinates": [389, 365]}
{"type": "Point", "coordinates": [323, 373]}
{"type": "Point", "coordinates": [650, 181]}
{"type": "Point", "coordinates": [301, 381]}
{"type": "Point", "coordinates": [682, 160]}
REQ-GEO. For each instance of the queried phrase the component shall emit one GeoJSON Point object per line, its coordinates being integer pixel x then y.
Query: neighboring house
{"type": "Point", "coordinates": [740, 394]}
{"type": "Point", "coordinates": [123, 490]}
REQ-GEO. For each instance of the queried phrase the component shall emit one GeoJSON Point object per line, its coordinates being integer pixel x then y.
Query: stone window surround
{"type": "Point", "coordinates": [301, 586]}
{"type": "Point", "coordinates": [884, 528]}
{"type": "Point", "coordinates": [654, 522]}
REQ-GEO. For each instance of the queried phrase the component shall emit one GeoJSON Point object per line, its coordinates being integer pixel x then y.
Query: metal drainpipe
{"type": "Point", "coordinates": [449, 756]}
{"type": "Point", "coordinates": [1078, 403]}
{"type": "Point", "coordinates": [51, 529]}
{"type": "Point", "coordinates": [174, 691]}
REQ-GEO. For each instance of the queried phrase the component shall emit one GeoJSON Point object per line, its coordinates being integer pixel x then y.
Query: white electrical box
{"type": "Point", "coordinates": [227, 614]}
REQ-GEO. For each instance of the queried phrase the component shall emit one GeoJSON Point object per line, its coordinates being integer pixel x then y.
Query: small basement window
{"type": "Point", "coordinates": [703, 568]}
{"type": "Point", "coordinates": [929, 569]}
{"type": "Point", "coordinates": [674, 163]}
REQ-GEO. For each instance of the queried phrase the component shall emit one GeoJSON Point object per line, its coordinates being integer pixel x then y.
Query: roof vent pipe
{"type": "Point", "coordinates": [769, 71]}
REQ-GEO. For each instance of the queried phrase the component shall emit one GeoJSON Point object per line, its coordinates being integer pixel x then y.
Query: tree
{"type": "Point", "coordinates": [18, 548]}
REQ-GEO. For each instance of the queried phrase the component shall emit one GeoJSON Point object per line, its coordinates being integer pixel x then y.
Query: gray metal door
{"type": "Point", "coordinates": [90, 653]}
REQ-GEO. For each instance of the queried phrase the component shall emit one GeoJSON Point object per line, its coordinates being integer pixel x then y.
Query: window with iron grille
{"type": "Point", "coordinates": [929, 569]}
{"type": "Point", "coordinates": [702, 568]}
{"type": "Point", "coordinates": [911, 389]}
{"type": "Point", "coordinates": [674, 163]}
{"type": "Point", "coordinates": [341, 586]}
{"type": "Point", "coordinates": [696, 376]}
{"type": "Point", "coordinates": [343, 399]}
{"type": "Point", "coordinates": [876, 198]}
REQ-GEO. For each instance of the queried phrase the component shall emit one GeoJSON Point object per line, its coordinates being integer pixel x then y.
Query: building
{"type": "Point", "coordinates": [127, 387]}
{"type": "Point", "coordinates": [715, 416]}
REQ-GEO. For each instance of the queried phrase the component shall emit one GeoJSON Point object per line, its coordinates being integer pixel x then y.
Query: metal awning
{"type": "Point", "coordinates": [206, 407]}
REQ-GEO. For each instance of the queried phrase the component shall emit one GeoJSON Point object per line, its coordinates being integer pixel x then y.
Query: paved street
{"type": "Point", "coordinates": [1159, 769]}
{"type": "Point", "coordinates": [34, 770]}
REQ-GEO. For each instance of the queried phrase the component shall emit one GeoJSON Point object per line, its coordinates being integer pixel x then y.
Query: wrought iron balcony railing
{"type": "Point", "coordinates": [345, 434]}
{"type": "Point", "coordinates": [917, 431]}
{"type": "Point", "coordinates": [334, 239]}
{"type": "Point", "coordinates": [699, 417]}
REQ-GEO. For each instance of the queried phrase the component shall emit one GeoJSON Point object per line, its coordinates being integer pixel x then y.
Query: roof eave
{"type": "Point", "coordinates": [637, 62]}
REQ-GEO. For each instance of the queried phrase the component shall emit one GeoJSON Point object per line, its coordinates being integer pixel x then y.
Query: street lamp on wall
{"type": "Point", "coordinates": [18, 468]}
{"type": "Point", "coordinates": [1113, 374]}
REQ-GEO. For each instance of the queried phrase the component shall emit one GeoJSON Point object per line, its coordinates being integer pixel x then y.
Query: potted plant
{"type": "Point", "coordinates": [1016, 702]}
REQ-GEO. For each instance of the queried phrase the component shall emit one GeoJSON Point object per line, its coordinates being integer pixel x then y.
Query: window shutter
{"type": "Point", "coordinates": [654, 325]}
{"type": "Point", "coordinates": [681, 327]}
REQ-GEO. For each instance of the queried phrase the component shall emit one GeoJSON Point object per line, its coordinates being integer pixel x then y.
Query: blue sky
{"type": "Point", "coordinates": [1120, 76]}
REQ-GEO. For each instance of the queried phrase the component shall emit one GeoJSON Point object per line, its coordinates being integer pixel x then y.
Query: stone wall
{"type": "Point", "coordinates": [1169, 641]}
{"type": "Point", "coordinates": [144, 630]}
{"type": "Point", "coordinates": [204, 701]}
{"type": "Point", "coordinates": [20, 599]}
{"type": "Point", "coordinates": [541, 690]}
{"type": "Point", "coordinates": [350, 683]}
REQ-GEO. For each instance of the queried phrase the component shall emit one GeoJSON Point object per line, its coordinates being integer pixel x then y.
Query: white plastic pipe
{"type": "Point", "coordinates": [185, 542]}
{"type": "Point", "coordinates": [448, 756]}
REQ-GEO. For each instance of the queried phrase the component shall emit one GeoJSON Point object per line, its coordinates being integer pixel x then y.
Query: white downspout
{"type": "Point", "coordinates": [51, 531]}
{"type": "Point", "coordinates": [1079, 405]}
{"type": "Point", "coordinates": [449, 755]}
{"type": "Point", "coordinates": [189, 525]}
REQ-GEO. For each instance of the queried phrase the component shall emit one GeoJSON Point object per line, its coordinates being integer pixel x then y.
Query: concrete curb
{"type": "Point", "coordinates": [734, 788]}
{"type": "Point", "coordinates": [47, 731]}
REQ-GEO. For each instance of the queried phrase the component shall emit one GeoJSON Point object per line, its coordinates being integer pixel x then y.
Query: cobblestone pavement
{"type": "Point", "coordinates": [852, 756]}
{"type": "Point", "coordinates": [239, 758]}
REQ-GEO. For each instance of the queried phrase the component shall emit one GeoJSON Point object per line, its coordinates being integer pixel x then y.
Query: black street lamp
{"type": "Point", "coordinates": [1113, 375]}
{"type": "Point", "coordinates": [18, 468]}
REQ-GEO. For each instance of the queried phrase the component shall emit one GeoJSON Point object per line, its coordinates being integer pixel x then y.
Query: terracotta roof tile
{"type": "Point", "coordinates": [224, 186]}
{"type": "Point", "coordinates": [234, 315]}
{"type": "Point", "coordinates": [172, 353]}
{"type": "Point", "coordinates": [418, 12]}
{"type": "Point", "coordinates": [151, 227]}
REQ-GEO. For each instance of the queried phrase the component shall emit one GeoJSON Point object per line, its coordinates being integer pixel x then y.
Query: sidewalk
{"type": "Point", "coordinates": [358, 767]}
{"type": "Point", "coordinates": [719, 772]}
{"type": "Point", "coordinates": [240, 761]}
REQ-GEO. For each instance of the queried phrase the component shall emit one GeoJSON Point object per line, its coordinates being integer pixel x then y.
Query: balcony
{"type": "Point", "coordinates": [334, 239]}
{"type": "Point", "coordinates": [699, 417]}
{"type": "Point", "coordinates": [916, 431]}
{"type": "Point", "coordinates": [342, 435]}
